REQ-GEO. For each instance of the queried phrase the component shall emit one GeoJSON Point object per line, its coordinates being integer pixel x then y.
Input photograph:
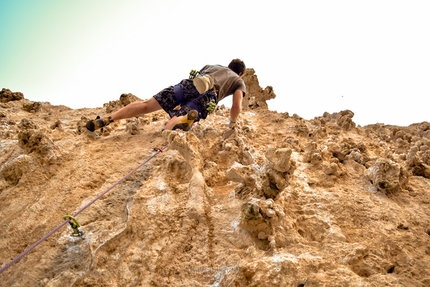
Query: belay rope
{"type": "Point", "coordinates": [71, 218]}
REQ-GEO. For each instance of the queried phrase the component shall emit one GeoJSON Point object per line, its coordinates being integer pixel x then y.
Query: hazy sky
{"type": "Point", "coordinates": [372, 57]}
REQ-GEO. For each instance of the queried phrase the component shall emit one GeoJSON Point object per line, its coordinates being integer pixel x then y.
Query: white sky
{"type": "Point", "coordinates": [372, 57]}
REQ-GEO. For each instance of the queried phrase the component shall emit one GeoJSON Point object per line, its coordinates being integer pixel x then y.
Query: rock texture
{"type": "Point", "coordinates": [274, 201]}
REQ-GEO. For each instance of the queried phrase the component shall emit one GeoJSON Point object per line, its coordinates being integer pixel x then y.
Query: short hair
{"type": "Point", "coordinates": [238, 66]}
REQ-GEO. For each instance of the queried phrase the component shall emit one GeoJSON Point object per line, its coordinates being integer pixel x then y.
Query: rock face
{"type": "Point", "coordinates": [274, 201]}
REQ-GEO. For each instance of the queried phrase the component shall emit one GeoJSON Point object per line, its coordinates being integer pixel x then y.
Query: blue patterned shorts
{"type": "Point", "coordinates": [191, 100]}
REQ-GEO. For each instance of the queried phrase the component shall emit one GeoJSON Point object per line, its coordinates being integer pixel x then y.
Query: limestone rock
{"type": "Point", "coordinates": [387, 176]}
{"type": "Point", "coordinates": [7, 95]}
{"type": "Point", "coordinates": [279, 158]}
{"type": "Point", "coordinates": [255, 96]}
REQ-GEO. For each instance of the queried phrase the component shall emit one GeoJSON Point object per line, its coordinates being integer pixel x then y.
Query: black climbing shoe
{"type": "Point", "coordinates": [98, 123]}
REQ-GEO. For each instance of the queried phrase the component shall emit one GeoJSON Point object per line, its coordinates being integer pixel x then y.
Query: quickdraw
{"type": "Point", "coordinates": [211, 106]}
{"type": "Point", "coordinates": [75, 226]}
{"type": "Point", "coordinates": [193, 74]}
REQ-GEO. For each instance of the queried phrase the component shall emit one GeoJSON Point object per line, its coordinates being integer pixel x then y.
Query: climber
{"type": "Point", "coordinates": [200, 92]}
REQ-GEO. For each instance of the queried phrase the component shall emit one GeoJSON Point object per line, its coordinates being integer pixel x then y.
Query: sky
{"type": "Point", "coordinates": [371, 57]}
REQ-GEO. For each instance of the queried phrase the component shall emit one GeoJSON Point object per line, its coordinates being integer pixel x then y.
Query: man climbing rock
{"type": "Point", "coordinates": [199, 93]}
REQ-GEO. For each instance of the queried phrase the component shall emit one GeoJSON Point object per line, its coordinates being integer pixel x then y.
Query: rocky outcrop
{"type": "Point", "coordinates": [255, 96]}
{"type": "Point", "coordinates": [7, 95]}
{"type": "Point", "coordinates": [124, 100]}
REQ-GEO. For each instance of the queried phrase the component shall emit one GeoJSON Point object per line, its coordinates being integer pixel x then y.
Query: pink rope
{"type": "Point", "coordinates": [34, 245]}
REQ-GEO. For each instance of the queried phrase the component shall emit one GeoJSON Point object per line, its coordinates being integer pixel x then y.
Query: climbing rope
{"type": "Point", "coordinates": [67, 218]}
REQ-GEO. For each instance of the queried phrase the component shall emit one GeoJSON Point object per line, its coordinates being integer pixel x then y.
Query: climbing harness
{"type": "Point", "coordinates": [71, 219]}
{"type": "Point", "coordinates": [210, 106]}
{"type": "Point", "coordinates": [210, 96]}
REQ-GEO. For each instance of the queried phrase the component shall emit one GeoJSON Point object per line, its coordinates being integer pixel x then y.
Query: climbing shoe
{"type": "Point", "coordinates": [186, 121]}
{"type": "Point", "coordinates": [98, 123]}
